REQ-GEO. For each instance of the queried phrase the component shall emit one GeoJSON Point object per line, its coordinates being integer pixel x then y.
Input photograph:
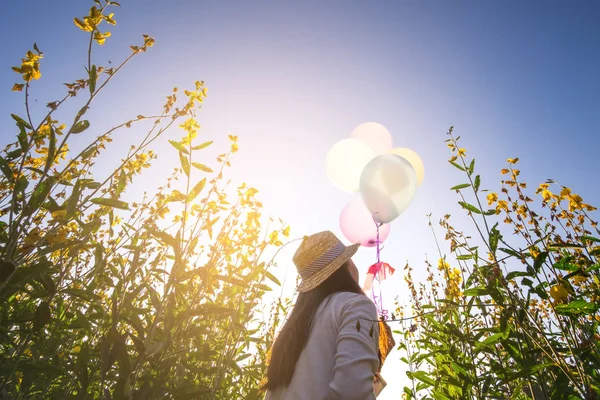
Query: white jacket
{"type": "Point", "coordinates": [340, 357]}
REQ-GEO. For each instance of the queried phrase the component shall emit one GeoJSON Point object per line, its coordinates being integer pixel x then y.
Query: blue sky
{"type": "Point", "coordinates": [291, 78]}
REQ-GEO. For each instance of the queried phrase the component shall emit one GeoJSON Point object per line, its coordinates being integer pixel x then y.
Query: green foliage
{"type": "Point", "coordinates": [144, 298]}
{"type": "Point", "coordinates": [518, 317]}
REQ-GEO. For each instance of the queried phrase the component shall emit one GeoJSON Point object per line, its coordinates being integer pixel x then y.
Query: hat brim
{"type": "Point", "coordinates": [319, 277]}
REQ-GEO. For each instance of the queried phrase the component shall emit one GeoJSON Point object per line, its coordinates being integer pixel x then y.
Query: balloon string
{"type": "Point", "coordinates": [379, 304]}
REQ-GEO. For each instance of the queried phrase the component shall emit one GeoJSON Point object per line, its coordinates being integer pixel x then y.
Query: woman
{"type": "Point", "coordinates": [328, 347]}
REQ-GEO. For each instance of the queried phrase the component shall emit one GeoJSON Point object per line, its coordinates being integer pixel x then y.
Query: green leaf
{"type": "Point", "coordinates": [48, 283]}
{"type": "Point", "coordinates": [589, 238]}
{"type": "Point", "coordinates": [477, 291]}
{"type": "Point", "coordinates": [263, 287]}
{"type": "Point", "coordinates": [456, 165]}
{"type": "Point", "coordinates": [527, 282]}
{"type": "Point", "coordinates": [577, 307]}
{"type": "Point", "coordinates": [565, 265]}
{"type": "Point", "coordinates": [557, 246]}
{"type": "Point", "coordinates": [204, 309]}
{"type": "Point", "coordinates": [202, 167]}
{"type": "Point", "coordinates": [477, 183]}
{"type": "Point", "coordinates": [122, 205]}
{"type": "Point", "coordinates": [22, 138]}
{"type": "Point", "coordinates": [459, 369]}
{"type": "Point", "coordinates": [74, 199]}
{"type": "Point", "coordinates": [494, 238]}
{"type": "Point", "coordinates": [21, 185]}
{"type": "Point", "coordinates": [232, 280]}
{"type": "Point", "coordinates": [272, 278]}
{"type": "Point", "coordinates": [491, 340]}
{"type": "Point", "coordinates": [6, 170]}
{"type": "Point", "coordinates": [11, 155]}
{"type": "Point", "coordinates": [424, 377]}
{"type": "Point", "coordinates": [43, 315]}
{"type": "Point", "coordinates": [185, 164]}
{"type": "Point", "coordinates": [7, 268]}
{"type": "Point", "coordinates": [179, 147]}
{"type": "Point", "coordinates": [463, 257]}
{"type": "Point", "coordinates": [82, 294]}
{"type": "Point", "coordinates": [39, 196]}
{"type": "Point", "coordinates": [202, 146]}
{"type": "Point", "coordinates": [80, 127]}
{"type": "Point", "coordinates": [89, 152]}
{"type": "Point", "coordinates": [164, 237]}
{"type": "Point", "coordinates": [51, 150]}
{"type": "Point", "coordinates": [461, 186]}
{"type": "Point", "coordinates": [21, 121]}
{"type": "Point", "coordinates": [469, 207]}
{"type": "Point", "coordinates": [511, 252]}
{"type": "Point", "coordinates": [515, 274]}
{"type": "Point", "coordinates": [93, 77]}
{"type": "Point", "coordinates": [539, 367]}
{"type": "Point", "coordinates": [196, 190]}
{"type": "Point", "coordinates": [243, 357]}
{"type": "Point", "coordinates": [80, 323]}
{"type": "Point", "coordinates": [471, 166]}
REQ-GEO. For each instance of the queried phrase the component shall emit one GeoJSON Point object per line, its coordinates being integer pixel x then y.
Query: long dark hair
{"type": "Point", "coordinates": [293, 336]}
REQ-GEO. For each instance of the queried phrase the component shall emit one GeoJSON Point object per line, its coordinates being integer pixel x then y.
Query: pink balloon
{"type": "Point", "coordinates": [374, 135]}
{"type": "Point", "coordinates": [358, 226]}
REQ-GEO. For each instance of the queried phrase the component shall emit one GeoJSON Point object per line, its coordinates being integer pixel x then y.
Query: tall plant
{"type": "Point", "coordinates": [105, 298]}
{"type": "Point", "coordinates": [517, 316]}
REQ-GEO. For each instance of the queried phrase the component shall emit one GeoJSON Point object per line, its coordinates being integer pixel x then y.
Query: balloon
{"type": "Point", "coordinates": [414, 160]}
{"type": "Point", "coordinates": [358, 226]}
{"type": "Point", "coordinates": [388, 185]}
{"type": "Point", "coordinates": [346, 161]}
{"type": "Point", "coordinates": [375, 135]}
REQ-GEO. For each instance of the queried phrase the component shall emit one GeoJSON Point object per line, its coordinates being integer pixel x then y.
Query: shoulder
{"type": "Point", "coordinates": [354, 303]}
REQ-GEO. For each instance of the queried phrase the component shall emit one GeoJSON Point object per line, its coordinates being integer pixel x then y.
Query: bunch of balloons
{"type": "Point", "coordinates": [386, 177]}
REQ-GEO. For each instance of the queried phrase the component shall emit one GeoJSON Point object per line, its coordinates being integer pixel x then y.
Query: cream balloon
{"type": "Point", "coordinates": [388, 185]}
{"type": "Point", "coordinates": [414, 160]}
{"type": "Point", "coordinates": [345, 162]}
{"type": "Point", "coordinates": [375, 135]}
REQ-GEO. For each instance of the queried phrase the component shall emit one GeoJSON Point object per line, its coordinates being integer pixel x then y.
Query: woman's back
{"type": "Point", "coordinates": [340, 356]}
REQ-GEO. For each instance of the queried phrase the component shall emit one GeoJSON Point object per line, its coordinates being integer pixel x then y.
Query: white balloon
{"type": "Point", "coordinates": [345, 162]}
{"type": "Point", "coordinates": [388, 185]}
{"type": "Point", "coordinates": [375, 135]}
{"type": "Point", "coordinates": [413, 158]}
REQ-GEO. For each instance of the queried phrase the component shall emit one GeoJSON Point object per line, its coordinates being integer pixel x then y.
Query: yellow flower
{"type": "Point", "coordinates": [512, 160]}
{"type": "Point", "coordinates": [492, 198]}
{"type": "Point", "coordinates": [565, 193]}
{"type": "Point", "coordinates": [542, 187]}
{"type": "Point", "coordinates": [60, 236]}
{"type": "Point", "coordinates": [462, 152]}
{"type": "Point", "coordinates": [535, 251]}
{"type": "Point", "coordinates": [442, 264]}
{"type": "Point", "coordinates": [502, 205]}
{"type": "Point", "coordinates": [59, 215]}
{"type": "Point", "coordinates": [559, 293]}
{"type": "Point", "coordinates": [575, 202]}
{"type": "Point", "coordinates": [546, 195]}
{"type": "Point", "coordinates": [579, 279]}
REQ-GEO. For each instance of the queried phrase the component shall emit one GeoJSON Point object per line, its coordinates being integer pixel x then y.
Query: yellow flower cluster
{"type": "Point", "coordinates": [29, 69]}
{"type": "Point", "coordinates": [91, 22]}
{"type": "Point", "coordinates": [453, 277]}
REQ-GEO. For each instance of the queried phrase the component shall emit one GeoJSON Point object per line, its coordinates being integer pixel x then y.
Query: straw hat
{"type": "Point", "coordinates": [319, 256]}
